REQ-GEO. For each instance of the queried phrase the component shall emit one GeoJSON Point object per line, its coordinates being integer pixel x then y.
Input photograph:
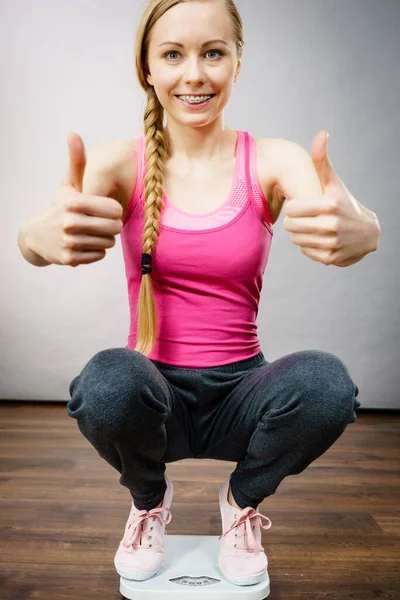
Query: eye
{"type": "Point", "coordinates": [171, 52]}
{"type": "Point", "coordinates": [167, 54]}
{"type": "Point", "coordinates": [218, 51]}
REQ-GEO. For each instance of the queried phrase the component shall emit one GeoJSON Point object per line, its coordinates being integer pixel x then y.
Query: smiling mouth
{"type": "Point", "coordinates": [194, 95]}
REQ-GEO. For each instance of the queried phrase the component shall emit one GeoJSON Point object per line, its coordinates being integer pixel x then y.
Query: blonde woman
{"type": "Point", "coordinates": [196, 202]}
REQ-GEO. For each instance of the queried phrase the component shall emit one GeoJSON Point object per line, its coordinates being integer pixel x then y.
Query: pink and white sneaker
{"type": "Point", "coordinates": [242, 559]}
{"type": "Point", "coordinates": [141, 551]}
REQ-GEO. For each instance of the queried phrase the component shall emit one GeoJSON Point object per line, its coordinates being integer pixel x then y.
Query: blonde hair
{"type": "Point", "coordinates": [156, 158]}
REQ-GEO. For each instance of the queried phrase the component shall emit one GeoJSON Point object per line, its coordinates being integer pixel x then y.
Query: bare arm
{"type": "Point", "coordinates": [100, 179]}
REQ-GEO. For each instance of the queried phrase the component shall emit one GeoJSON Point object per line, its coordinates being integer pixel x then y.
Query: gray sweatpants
{"type": "Point", "coordinates": [272, 418]}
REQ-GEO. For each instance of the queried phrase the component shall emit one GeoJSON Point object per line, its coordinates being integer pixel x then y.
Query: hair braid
{"type": "Point", "coordinates": [156, 156]}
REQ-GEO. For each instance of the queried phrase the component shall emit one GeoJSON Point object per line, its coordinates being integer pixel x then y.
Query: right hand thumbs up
{"type": "Point", "coordinates": [76, 228]}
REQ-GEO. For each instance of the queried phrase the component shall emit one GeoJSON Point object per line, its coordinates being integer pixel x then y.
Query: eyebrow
{"type": "Point", "coordinates": [205, 43]}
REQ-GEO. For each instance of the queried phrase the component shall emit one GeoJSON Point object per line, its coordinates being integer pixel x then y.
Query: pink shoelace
{"type": "Point", "coordinates": [136, 528]}
{"type": "Point", "coordinates": [249, 517]}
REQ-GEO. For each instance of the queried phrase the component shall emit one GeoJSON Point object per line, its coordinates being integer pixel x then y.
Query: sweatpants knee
{"type": "Point", "coordinates": [105, 384]}
{"type": "Point", "coordinates": [114, 389]}
{"type": "Point", "coordinates": [328, 389]}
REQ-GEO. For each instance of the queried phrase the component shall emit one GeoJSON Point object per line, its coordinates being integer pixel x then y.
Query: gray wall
{"type": "Point", "coordinates": [308, 65]}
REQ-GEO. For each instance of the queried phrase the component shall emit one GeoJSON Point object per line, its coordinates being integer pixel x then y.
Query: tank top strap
{"type": "Point", "coordinates": [246, 161]}
{"type": "Point", "coordinates": [241, 155]}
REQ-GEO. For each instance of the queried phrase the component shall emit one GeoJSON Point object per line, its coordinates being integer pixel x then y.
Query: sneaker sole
{"type": "Point", "coordinates": [135, 575]}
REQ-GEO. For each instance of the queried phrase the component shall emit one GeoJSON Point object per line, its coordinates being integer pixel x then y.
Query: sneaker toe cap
{"type": "Point", "coordinates": [243, 565]}
{"type": "Point", "coordinates": [141, 559]}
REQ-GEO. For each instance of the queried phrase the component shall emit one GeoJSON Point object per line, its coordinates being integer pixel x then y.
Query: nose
{"type": "Point", "coordinates": [194, 72]}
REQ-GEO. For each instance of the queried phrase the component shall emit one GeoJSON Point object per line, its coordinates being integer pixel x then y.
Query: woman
{"type": "Point", "coordinates": [192, 380]}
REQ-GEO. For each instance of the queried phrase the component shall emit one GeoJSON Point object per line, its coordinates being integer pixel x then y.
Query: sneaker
{"type": "Point", "coordinates": [242, 559]}
{"type": "Point", "coordinates": [141, 551]}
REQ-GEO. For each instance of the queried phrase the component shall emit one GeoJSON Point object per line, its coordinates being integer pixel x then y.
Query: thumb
{"type": "Point", "coordinates": [322, 164]}
{"type": "Point", "coordinates": [77, 162]}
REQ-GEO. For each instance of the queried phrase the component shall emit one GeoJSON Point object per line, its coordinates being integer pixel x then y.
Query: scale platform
{"type": "Point", "coordinates": [191, 571]}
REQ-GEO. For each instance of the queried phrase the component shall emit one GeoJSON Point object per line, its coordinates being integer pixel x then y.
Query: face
{"type": "Point", "coordinates": [183, 61]}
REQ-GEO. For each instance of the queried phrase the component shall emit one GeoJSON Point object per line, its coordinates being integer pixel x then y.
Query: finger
{"type": "Point", "coordinates": [310, 208]}
{"type": "Point", "coordinates": [323, 225]}
{"type": "Point", "coordinates": [77, 162]}
{"type": "Point", "coordinates": [96, 206]}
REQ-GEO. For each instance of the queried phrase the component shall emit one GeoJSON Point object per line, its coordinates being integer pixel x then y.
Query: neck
{"type": "Point", "coordinates": [199, 144]}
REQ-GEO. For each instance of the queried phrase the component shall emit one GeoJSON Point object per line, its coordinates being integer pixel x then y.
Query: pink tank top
{"type": "Point", "coordinates": [207, 269]}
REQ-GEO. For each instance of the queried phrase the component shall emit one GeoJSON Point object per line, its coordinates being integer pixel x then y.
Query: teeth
{"type": "Point", "coordinates": [194, 99]}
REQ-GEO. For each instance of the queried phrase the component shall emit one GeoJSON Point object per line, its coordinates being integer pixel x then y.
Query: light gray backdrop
{"type": "Point", "coordinates": [308, 65]}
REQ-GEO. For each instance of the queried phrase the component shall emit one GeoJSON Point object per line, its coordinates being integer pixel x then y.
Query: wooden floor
{"type": "Point", "coordinates": [335, 527]}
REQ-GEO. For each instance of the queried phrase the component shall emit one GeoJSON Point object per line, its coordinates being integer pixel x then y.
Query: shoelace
{"type": "Point", "coordinates": [135, 530]}
{"type": "Point", "coordinates": [248, 516]}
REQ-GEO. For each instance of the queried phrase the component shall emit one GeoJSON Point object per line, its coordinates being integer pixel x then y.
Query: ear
{"type": "Point", "coordinates": [239, 65]}
{"type": "Point", "coordinates": [149, 79]}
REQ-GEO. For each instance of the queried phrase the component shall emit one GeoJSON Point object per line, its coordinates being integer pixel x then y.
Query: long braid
{"type": "Point", "coordinates": [156, 157]}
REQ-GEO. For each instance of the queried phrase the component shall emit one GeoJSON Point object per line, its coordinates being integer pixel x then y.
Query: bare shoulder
{"type": "Point", "coordinates": [283, 154]}
{"type": "Point", "coordinates": [278, 152]}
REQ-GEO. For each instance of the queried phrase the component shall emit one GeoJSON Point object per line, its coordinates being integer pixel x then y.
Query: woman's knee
{"type": "Point", "coordinates": [328, 388]}
{"type": "Point", "coordinates": [110, 387]}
